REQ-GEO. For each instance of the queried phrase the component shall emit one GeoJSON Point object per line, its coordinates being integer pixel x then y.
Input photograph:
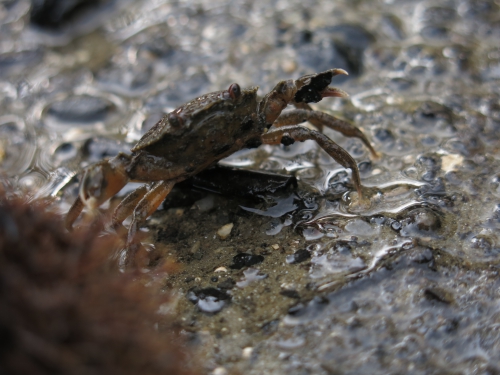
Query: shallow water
{"type": "Point", "coordinates": [404, 283]}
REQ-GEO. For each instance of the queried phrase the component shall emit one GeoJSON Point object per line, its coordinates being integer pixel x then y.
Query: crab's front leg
{"type": "Point", "coordinates": [100, 182]}
{"type": "Point", "coordinates": [287, 135]}
{"type": "Point", "coordinates": [320, 120]}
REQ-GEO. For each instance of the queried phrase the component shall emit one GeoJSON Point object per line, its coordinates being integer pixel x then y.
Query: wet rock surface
{"type": "Point", "coordinates": [309, 280]}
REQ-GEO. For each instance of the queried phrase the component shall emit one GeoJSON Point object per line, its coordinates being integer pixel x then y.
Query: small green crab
{"type": "Point", "coordinates": [207, 129]}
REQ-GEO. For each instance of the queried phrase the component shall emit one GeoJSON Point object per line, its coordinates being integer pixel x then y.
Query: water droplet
{"type": "Point", "coordinates": [17, 146]}
{"type": "Point", "coordinates": [250, 275]}
{"type": "Point", "coordinates": [83, 111]}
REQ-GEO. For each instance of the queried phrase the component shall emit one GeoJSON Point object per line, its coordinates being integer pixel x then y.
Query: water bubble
{"type": "Point", "coordinates": [135, 80]}
{"type": "Point", "coordinates": [16, 63]}
{"type": "Point", "coordinates": [64, 152]}
{"type": "Point", "coordinates": [209, 300]}
{"type": "Point", "coordinates": [96, 149]}
{"type": "Point", "coordinates": [80, 111]}
{"type": "Point", "coordinates": [420, 221]}
{"type": "Point", "coordinates": [31, 182]}
{"type": "Point", "coordinates": [335, 263]}
{"type": "Point", "coordinates": [359, 227]}
{"type": "Point", "coordinates": [371, 100]}
{"type": "Point", "coordinates": [311, 233]}
{"type": "Point", "coordinates": [17, 145]}
{"type": "Point", "coordinates": [431, 117]}
{"type": "Point", "coordinates": [250, 275]}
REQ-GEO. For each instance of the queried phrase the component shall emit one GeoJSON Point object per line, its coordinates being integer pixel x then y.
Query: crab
{"type": "Point", "coordinates": [207, 129]}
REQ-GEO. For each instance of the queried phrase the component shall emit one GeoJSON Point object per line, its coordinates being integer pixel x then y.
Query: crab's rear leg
{"type": "Point", "coordinates": [289, 134]}
{"type": "Point", "coordinates": [100, 182]}
{"type": "Point", "coordinates": [145, 208]}
{"type": "Point", "coordinates": [126, 207]}
{"type": "Point", "coordinates": [320, 120]}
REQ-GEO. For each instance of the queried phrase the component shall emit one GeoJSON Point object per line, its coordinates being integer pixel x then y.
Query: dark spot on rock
{"type": "Point", "coordinates": [430, 114]}
{"type": "Point", "coordinates": [82, 109]}
{"type": "Point", "coordinates": [209, 300]}
{"type": "Point", "coordinates": [18, 61]}
{"type": "Point", "coordinates": [384, 135]}
{"type": "Point", "coordinates": [344, 247]}
{"type": "Point", "coordinates": [354, 323]}
{"type": "Point", "coordinates": [287, 140]}
{"type": "Point", "coordinates": [438, 294]}
{"type": "Point", "coordinates": [297, 310]}
{"type": "Point", "coordinates": [253, 143]}
{"type": "Point", "coordinates": [422, 256]}
{"type": "Point", "coordinates": [480, 242]}
{"type": "Point", "coordinates": [450, 325]}
{"type": "Point", "coordinates": [247, 125]}
{"type": "Point", "coordinates": [290, 294]}
{"type": "Point", "coordinates": [365, 167]}
{"type": "Point", "coordinates": [226, 284]}
{"type": "Point", "coordinates": [396, 225]}
{"type": "Point", "coordinates": [424, 219]}
{"type": "Point", "coordinates": [435, 32]}
{"type": "Point", "coordinates": [342, 46]}
{"type": "Point", "coordinates": [270, 327]}
{"type": "Point", "coordinates": [53, 14]}
{"type": "Point", "coordinates": [429, 162]}
{"type": "Point", "coordinates": [221, 150]}
{"type": "Point", "coordinates": [298, 257]}
{"type": "Point", "coordinates": [189, 169]}
{"type": "Point", "coordinates": [246, 260]}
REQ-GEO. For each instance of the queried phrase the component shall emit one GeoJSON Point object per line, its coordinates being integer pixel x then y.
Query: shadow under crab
{"type": "Point", "coordinates": [207, 129]}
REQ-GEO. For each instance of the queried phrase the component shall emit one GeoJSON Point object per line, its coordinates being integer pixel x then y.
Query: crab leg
{"type": "Point", "coordinates": [73, 213]}
{"type": "Point", "coordinates": [289, 134]}
{"type": "Point", "coordinates": [321, 119]}
{"type": "Point", "coordinates": [127, 205]}
{"type": "Point", "coordinates": [147, 205]}
{"type": "Point", "coordinates": [100, 182]}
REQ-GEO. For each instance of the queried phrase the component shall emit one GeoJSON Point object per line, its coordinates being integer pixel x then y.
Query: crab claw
{"type": "Point", "coordinates": [103, 180]}
{"type": "Point", "coordinates": [333, 92]}
{"type": "Point", "coordinates": [100, 182]}
{"type": "Point", "coordinates": [314, 87]}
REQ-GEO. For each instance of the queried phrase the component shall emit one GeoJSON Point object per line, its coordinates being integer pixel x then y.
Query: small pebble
{"type": "Point", "coordinates": [221, 269]}
{"type": "Point", "coordinates": [275, 246]}
{"type": "Point", "coordinates": [451, 162]}
{"type": "Point", "coordinates": [225, 231]}
{"type": "Point", "coordinates": [219, 371]}
{"type": "Point", "coordinates": [298, 257]}
{"type": "Point", "coordinates": [247, 352]}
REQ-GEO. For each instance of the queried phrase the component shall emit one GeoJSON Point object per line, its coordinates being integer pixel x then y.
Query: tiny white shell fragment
{"type": "Point", "coordinates": [451, 162]}
{"type": "Point", "coordinates": [221, 269]}
{"type": "Point", "coordinates": [225, 231]}
{"type": "Point", "coordinates": [247, 352]}
{"type": "Point", "coordinates": [219, 371]}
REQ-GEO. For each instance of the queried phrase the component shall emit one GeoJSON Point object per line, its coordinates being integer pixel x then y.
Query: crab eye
{"type": "Point", "coordinates": [234, 91]}
{"type": "Point", "coordinates": [174, 120]}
